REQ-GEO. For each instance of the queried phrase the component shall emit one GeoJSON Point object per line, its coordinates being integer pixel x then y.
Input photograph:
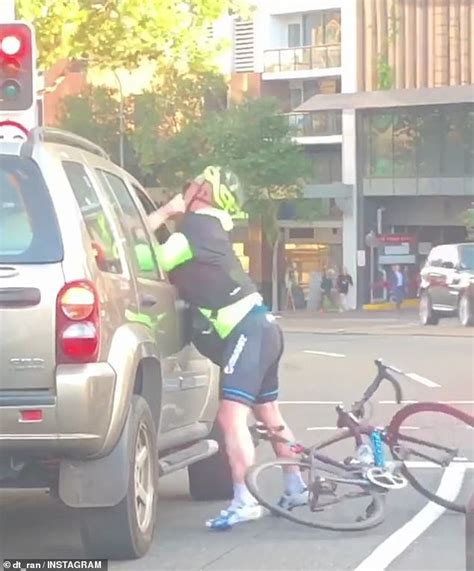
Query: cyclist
{"type": "Point", "coordinates": [231, 326]}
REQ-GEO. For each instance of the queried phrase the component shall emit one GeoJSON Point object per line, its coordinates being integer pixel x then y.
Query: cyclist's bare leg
{"type": "Point", "coordinates": [232, 419]}
{"type": "Point", "coordinates": [270, 415]}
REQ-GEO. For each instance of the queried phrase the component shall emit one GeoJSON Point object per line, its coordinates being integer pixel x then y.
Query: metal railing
{"type": "Point", "coordinates": [316, 124]}
{"type": "Point", "coordinates": [304, 58]}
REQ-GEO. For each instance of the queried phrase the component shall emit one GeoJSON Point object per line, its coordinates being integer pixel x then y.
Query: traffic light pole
{"type": "Point", "coordinates": [7, 10]}
{"type": "Point", "coordinates": [121, 118]}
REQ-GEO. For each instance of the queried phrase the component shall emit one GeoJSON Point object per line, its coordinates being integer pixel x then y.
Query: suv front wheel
{"type": "Point", "coordinates": [466, 311]}
{"type": "Point", "coordinates": [427, 315]}
{"type": "Point", "coordinates": [125, 531]}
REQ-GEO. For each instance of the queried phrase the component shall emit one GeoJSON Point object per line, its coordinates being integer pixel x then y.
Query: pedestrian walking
{"type": "Point", "coordinates": [326, 290]}
{"type": "Point", "coordinates": [344, 282]}
{"type": "Point", "coordinates": [397, 286]}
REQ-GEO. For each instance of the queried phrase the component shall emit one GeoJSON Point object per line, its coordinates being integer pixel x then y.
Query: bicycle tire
{"type": "Point", "coordinates": [393, 430]}
{"type": "Point", "coordinates": [373, 519]}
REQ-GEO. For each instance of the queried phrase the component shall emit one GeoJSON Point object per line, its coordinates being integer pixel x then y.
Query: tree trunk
{"type": "Point", "coordinates": [276, 244]}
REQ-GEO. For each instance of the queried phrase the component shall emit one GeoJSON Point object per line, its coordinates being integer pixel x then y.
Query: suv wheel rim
{"type": "Point", "coordinates": [144, 484]}
{"type": "Point", "coordinates": [464, 311]}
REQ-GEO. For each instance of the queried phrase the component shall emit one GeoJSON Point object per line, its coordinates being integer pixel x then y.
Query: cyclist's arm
{"type": "Point", "coordinates": [175, 206]}
{"type": "Point", "coordinates": [175, 252]}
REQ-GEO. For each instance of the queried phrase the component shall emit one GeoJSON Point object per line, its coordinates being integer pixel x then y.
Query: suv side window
{"type": "Point", "coordinates": [137, 235]}
{"type": "Point", "coordinates": [162, 234]}
{"type": "Point", "coordinates": [95, 218]}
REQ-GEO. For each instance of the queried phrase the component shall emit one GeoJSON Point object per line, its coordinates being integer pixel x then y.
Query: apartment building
{"type": "Point", "coordinates": [380, 94]}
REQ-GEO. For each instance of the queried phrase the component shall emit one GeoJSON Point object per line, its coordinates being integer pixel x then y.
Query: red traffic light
{"type": "Point", "coordinates": [17, 67]}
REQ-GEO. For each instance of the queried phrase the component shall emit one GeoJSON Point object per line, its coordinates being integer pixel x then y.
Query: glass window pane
{"type": "Point", "coordinates": [430, 143]}
{"type": "Point", "coordinates": [454, 151]}
{"type": "Point", "coordinates": [469, 141]}
{"type": "Point", "coordinates": [96, 219]}
{"type": "Point", "coordinates": [405, 136]}
{"type": "Point", "coordinates": [29, 231]}
{"type": "Point", "coordinates": [294, 35]}
{"type": "Point", "coordinates": [137, 234]}
{"type": "Point", "coordinates": [381, 145]}
{"type": "Point", "coordinates": [332, 28]}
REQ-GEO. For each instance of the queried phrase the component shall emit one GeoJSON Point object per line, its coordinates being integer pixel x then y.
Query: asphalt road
{"type": "Point", "coordinates": [337, 369]}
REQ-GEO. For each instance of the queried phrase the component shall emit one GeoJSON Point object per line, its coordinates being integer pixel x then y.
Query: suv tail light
{"type": "Point", "coordinates": [77, 323]}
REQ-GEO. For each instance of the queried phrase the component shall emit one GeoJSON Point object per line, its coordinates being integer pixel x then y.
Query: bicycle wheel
{"type": "Point", "coordinates": [435, 443]}
{"type": "Point", "coordinates": [336, 502]}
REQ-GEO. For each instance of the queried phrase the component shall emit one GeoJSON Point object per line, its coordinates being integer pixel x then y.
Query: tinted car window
{"type": "Point", "coordinates": [162, 234]}
{"type": "Point", "coordinates": [29, 232]}
{"type": "Point", "coordinates": [95, 218]}
{"type": "Point", "coordinates": [140, 244]}
{"type": "Point", "coordinates": [466, 254]}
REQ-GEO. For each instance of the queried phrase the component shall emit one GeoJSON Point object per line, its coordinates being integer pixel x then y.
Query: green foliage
{"type": "Point", "coordinates": [175, 101]}
{"type": "Point", "coordinates": [95, 115]}
{"type": "Point", "coordinates": [123, 33]}
{"type": "Point", "coordinates": [468, 218]}
{"type": "Point", "coordinates": [254, 140]}
{"type": "Point", "coordinates": [385, 74]}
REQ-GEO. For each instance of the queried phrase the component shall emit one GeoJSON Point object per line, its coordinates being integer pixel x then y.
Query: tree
{"type": "Point", "coordinates": [174, 100]}
{"type": "Point", "coordinates": [468, 221]}
{"type": "Point", "coordinates": [94, 114]}
{"type": "Point", "coordinates": [254, 140]}
{"type": "Point", "coordinates": [123, 33]}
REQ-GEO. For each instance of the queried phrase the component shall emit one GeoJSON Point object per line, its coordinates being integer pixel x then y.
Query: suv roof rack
{"type": "Point", "coordinates": [51, 135]}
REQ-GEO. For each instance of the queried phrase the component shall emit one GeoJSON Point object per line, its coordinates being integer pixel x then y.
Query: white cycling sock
{"type": "Point", "coordinates": [242, 496]}
{"type": "Point", "coordinates": [294, 483]}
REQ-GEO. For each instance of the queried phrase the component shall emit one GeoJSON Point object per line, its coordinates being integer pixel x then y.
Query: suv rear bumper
{"type": "Point", "coordinates": [75, 419]}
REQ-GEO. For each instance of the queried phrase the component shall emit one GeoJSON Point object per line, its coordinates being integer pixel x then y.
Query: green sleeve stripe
{"type": "Point", "coordinates": [174, 252]}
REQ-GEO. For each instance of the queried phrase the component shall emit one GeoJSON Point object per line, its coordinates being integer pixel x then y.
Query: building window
{"type": "Point", "coordinates": [405, 136]}
{"type": "Point", "coordinates": [294, 35]}
{"type": "Point", "coordinates": [322, 28]}
{"type": "Point", "coordinates": [327, 165]}
{"type": "Point", "coordinates": [419, 142]}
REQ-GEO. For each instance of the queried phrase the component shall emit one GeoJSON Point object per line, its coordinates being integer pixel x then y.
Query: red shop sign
{"type": "Point", "coordinates": [397, 238]}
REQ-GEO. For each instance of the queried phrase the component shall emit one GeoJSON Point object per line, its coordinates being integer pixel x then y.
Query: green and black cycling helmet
{"type": "Point", "coordinates": [225, 189]}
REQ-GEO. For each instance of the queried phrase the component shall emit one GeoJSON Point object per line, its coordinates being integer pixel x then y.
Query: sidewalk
{"type": "Point", "coordinates": [367, 323]}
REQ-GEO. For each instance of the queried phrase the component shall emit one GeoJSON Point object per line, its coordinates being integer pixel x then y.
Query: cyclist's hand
{"type": "Point", "coordinates": [175, 206]}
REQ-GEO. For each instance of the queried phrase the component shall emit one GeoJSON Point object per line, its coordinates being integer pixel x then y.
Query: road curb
{"type": "Point", "coordinates": [387, 306]}
{"type": "Point", "coordinates": [374, 333]}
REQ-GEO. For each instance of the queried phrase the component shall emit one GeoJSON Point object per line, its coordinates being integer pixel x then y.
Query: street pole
{"type": "Point", "coordinates": [470, 534]}
{"type": "Point", "coordinates": [121, 119]}
{"type": "Point", "coordinates": [7, 10]}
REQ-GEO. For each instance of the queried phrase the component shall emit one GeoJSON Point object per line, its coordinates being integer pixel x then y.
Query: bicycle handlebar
{"type": "Point", "coordinates": [383, 373]}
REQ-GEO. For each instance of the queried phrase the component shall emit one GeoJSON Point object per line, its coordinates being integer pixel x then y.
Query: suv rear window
{"type": "Point", "coordinates": [29, 232]}
{"type": "Point", "coordinates": [466, 254]}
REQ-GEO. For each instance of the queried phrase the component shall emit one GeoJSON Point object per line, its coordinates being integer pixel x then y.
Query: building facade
{"type": "Point", "coordinates": [380, 94]}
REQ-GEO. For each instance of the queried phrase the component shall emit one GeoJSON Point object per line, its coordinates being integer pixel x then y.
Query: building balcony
{"type": "Point", "coordinates": [321, 127]}
{"type": "Point", "coordinates": [309, 61]}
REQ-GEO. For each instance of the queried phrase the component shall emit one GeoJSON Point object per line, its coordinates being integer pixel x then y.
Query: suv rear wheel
{"type": "Point", "coordinates": [466, 311]}
{"type": "Point", "coordinates": [125, 531]}
{"type": "Point", "coordinates": [211, 479]}
{"type": "Point", "coordinates": [427, 315]}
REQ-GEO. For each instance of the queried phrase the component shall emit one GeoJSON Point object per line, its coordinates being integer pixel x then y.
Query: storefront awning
{"type": "Point", "coordinates": [391, 98]}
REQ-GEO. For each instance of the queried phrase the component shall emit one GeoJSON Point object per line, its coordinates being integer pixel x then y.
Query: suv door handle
{"type": "Point", "coordinates": [147, 301]}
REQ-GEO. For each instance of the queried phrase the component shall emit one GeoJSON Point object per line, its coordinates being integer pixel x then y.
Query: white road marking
{"type": "Point", "coordinates": [395, 402]}
{"type": "Point", "coordinates": [427, 464]}
{"type": "Point", "coordinates": [395, 545]}
{"type": "Point", "coordinates": [310, 402]}
{"type": "Point", "coordinates": [325, 354]}
{"type": "Point", "coordinates": [423, 380]}
{"type": "Point", "coordinates": [336, 428]}
{"type": "Point", "coordinates": [438, 401]}
{"type": "Point", "coordinates": [322, 428]}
